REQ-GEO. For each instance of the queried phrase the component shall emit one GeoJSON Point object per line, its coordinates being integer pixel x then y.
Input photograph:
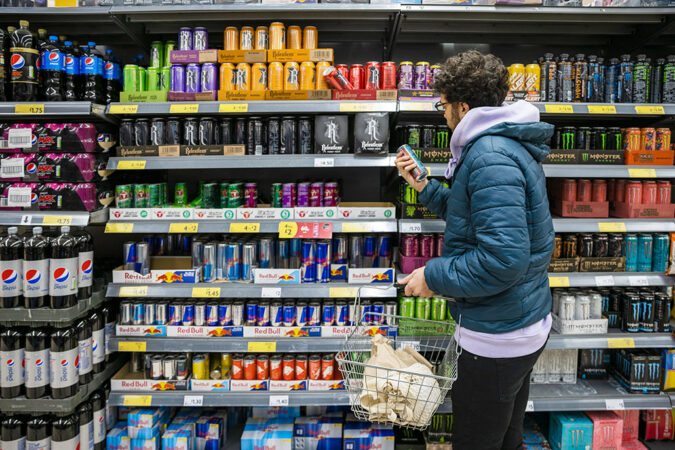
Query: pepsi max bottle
{"type": "Point", "coordinates": [85, 261]}
{"type": "Point", "coordinates": [91, 68]}
{"type": "Point", "coordinates": [12, 433]}
{"type": "Point", "coordinates": [63, 359]}
{"type": "Point", "coordinates": [11, 269]}
{"type": "Point", "coordinates": [85, 414]}
{"type": "Point", "coordinates": [4, 38]}
{"type": "Point", "coordinates": [97, 400]}
{"type": "Point", "coordinates": [97, 324]}
{"type": "Point", "coordinates": [83, 328]}
{"type": "Point", "coordinates": [11, 361]}
{"type": "Point", "coordinates": [52, 65]}
{"type": "Point", "coordinates": [109, 329]}
{"type": "Point", "coordinates": [23, 62]}
{"type": "Point", "coordinates": [63, 268]}
{"type": "Point", "coordinates": [38, 436]}
{"type": "Point", "coordinates": [71, 90]}
{"type": "Point", "coordinates": [36, 270]}
{"type": "Point", "coordinates": [66, 433]}
{"type": "Point", "coordinates": [36, 359]}
{"type": "Point", "coordinates": [111, 75]}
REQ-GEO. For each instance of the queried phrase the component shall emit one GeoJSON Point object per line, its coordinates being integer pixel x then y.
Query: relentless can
{"type": "Point", "coordinates": [357, 75]}
{"type": "Point", "coordinates": [307, 76]}
{"type": "Point", "coordinates": [438, 309]}
{"type": "Point", "coordinates": [228, 77]}
{"type": "Point", "coordinates": [200, 39]}
{"type": "Point", "coordinates": [208, 78]}
{"type": "Point", "coordinates": [259, 77]}
{"type": "Point", "coordinates": [277, 36]}
{"type": "Point", "coordinates": [262, 39]}
{"type": "Point", "coordinates": [373, 75]}
{"type": "Point", "coordinates": [275, 76]}
{"type": "Point", "coordinates": [192, 78]}
{"type": "Point", "coordinates": [231, 38]}
{"type": "Point", "coordinates": [320, 69]}
{"type": "Point", "coordinates": [243, 77]}
{"type": "Point", "coordinates": [406, 75]}
{"type": "Point", "coordinates": [185, 39]}
{"type": "Point", "coordinates": [291, 76]}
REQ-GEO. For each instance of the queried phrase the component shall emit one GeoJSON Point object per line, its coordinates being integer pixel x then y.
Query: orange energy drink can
{"type": "Point", "coordinates": [250, 367]}
{"type": "Point", "coordinates": [314, 371]}
{"type": "Point", "coordinates": [648, 140]}
{"type": "Point", "coordinates": [228, 77]}
{"type": "Point", "coordinates": [294, 38]}
{"type": "Point", "coordinates": [262, 38]}
{"type": "Point", "coordinates": [516, 77]}
{"type": "Point", "coordinates": [663, 139]}
{"type": "Point", "coordinates": [632, 140]}
{"type": "Point", "coordinates": [288, 367]}
{"type": "Point", "coordinates": [276, 367]}
{"type": "Point", "coordinates": [237, 366]}
{"type": "Point", "coordinates": [310, 38]}
{"type": "Point", "coordinates": [307, 76]}
{"type": "Point", "coordinates": [275, 76]}
{"type": "Point", "coordinates": [263, 367]}
{"type": "Point", "coordinates": [259, 77]}
{"type": "Point", "coordinates": [243, 77]}
{"type": "Point", "coordinates": [291, 76]}
{"type": "Point", "coordinates": [532, 77]}
{"type": "Point", "coordinates": [301, 367]}
{"type": "Point", "coordinates": [231, 38]}
{"type": "Point", "coordinates": [246, 38]}
{"type": "Point", "coordinates": [327, 367]}
{"type": "Point", "coordinates": [277, 36]}
{"type": "Point", "coordinates": [320, 68]}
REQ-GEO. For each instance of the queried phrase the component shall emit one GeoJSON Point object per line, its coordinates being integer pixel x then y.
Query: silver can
{"type": "Point", "coordinates": [248, 261]}
{"type": "Point", "coordinates": [582, 307]}
{"type": "Point", "coordinates": [143, 258]}
{"type": "Point", "coordinates": [567, 303]}
{"type": "Point", "coordinates": [150, 316]}
{"type": "Point", "coordinates": [200, 314]}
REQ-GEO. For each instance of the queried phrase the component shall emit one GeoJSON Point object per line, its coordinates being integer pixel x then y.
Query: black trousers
{"type": "Point", "coordinates": [489, 400]}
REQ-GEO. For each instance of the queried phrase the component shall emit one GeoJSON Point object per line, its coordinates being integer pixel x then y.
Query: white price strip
{"type": "Point", "coordinates": [11, 168]}
{"type": "Point", "coordinates": [604, 280]}
{"type": "Point", "coordinates": [638, 281]}
{"type": "Point", "coordinates": [19, 196]}
{"type": "Point", "coordinates": [278, 400]}
{"type": "Point", "coordinates": [415, 227]}
{"type": "Point", "coordinates": [415, 345]}
{"type": "Point", "coordinates": [324, 162]}
{"type": "Point", "coordinates": [614, 404]}
{"type": "Point", "coordinates": [26, 219]}
{"type": "Point", "coordinates": [271, 293]}
{"type": "Point", "coordinates": [530, 406]}
{"type": "Point", "coordinates": [20, 137]}
{"type": "Point", "coordinates": [193, 400]}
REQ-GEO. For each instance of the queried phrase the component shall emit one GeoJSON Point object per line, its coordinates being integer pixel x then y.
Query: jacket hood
{"type": "Point", "coordinates": [518, 121]}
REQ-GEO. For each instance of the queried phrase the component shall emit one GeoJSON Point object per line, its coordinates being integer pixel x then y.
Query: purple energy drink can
{"type": "Point", "coordinates": [177, 78]}
{"type": "Point", "coordinates": [410, 245]}
{"type": "Point", "coordinates": [420, 77]}
{"type": "Point", "coordinates": [323, 261]}
{"type": "Point", "coordinates": [406, 70]}
{"type": "Point", "coordinates": [209, 77]}
{"type": "Point", "coordinates": [316, 195]}
{"type": "Point", "coordinates": [185, 38]}
{"type": "Point", "coordinates": [303, 195]}
{"type": "Point", "coordinates": [308, 262]}
{"type": "Point", "coordinates": [288, 195]}
{"type": "Point", "coordinates": [192, 78]}
{"type": "Point", "coordinates": [251, 195]}
{"type": "Point", "coordinates": [330, 194]}
{"type": "Point", "coordinates": [440, 243]}
{"type": "Point", "coordinates": [433, 73]}
{"type": "Point", "coordinates": [200, 40]}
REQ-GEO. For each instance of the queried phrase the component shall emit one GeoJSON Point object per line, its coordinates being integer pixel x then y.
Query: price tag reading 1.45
{"type": "Point", "coordinates": [133, 291]}
{"type": "Point", "coordinates": [210, 292]}
{"type": "Point", "coordinates": [183, 227]}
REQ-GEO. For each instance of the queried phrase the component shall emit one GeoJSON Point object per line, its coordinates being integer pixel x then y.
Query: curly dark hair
{"type": "Point", "coordinates": [473, 78]}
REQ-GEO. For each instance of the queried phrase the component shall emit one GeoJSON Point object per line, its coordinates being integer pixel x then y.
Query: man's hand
{"type": "Point", "coordinates": [405, 165]}
{"type": "Point", "coordinates": [416, 285]}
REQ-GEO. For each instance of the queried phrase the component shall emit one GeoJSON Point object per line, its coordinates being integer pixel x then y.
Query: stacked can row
{"type": "Point", "coordinates": [620, 190]}
{"type": "Point", "coordinates": [425, 245]}
{"type": "Point", "coordinates": [612, 138]}
{"type": "Point", "coordinates": [423, 135]}
{"type": "Point", "coordinates": [274, 37]}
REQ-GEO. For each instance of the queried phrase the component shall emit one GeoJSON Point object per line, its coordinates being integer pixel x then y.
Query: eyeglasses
{"type": "Point", "coordinates": [440, 106]}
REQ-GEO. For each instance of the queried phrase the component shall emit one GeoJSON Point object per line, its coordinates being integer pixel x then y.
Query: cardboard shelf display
{"type": "Point", "coordinates": [193, 56]}
{"type": "Point", "coordinates": [366, 94]}
{"type": "Point", "coordinates": [580, 209]}
{"type": "Point", "coordinates": [143, 97]}
{"type": "Point", "coordinates": [182, 150]}
{"type": "Point", "coordinates": [642, 210]}
{"type": "Point", "coordinates": [242, 56]}
{"type": "Point", "coordinates": [650, 158]}
{"type": "Point", "coordinates": [206, 96]}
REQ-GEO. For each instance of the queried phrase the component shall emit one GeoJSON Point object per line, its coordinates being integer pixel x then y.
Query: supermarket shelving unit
{"type": "Point", "coordinates": [23, 316]}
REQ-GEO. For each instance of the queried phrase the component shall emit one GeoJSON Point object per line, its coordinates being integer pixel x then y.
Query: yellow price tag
{"type": "Point", "coordinates": [620, 343]}
{"type": "Point", "coordinates": [654, 109]}
{"type": "Point", "coordinates": [137, 400]}
{"type": "Point", "coordinates": [612, 227]}
{"type": "Point", "coordinates": [602, 109]}
{"type": "Point", "coordinates": [183, 227]}
{"type": "Point", "coordinates": [233, 107]}
{"type": "Point", "coordinates": [131, 164]}
{"type": "Point", "coordinates": [57, 220]}
{"type": "Point", "coordinates": [262, 347]}
{"type": "Point", "coordinates": [123, 109]}
{"type": "Point", "coordinates": [245, 228]}
{"type": "Point", "coordinates": [133, 291]}
{"type": "Point", "coordinates": [119, 227]}
{"type": "Point", "coordinates": [288, 230]}
{"type": "Point", "coordinates": [417, 106]}
{"type": "Point", "coordinates": [208, 292]}
{"type": "Point", "coordinates": [356, 227]}
{"type": "Point", "coordinates": [642, 173]}
{"type": "Point", "coordinates": [558, 281]}
{"type": "Point", "coordinates": [131, 347]}
{"type": "Point", "coordinates": [559, 109]}
{"type": "Point", "coordinates": [184, 109]}
{"type": "Point", "coordinates": [342, 292]}
{"type": "Point", "coordinates": [29, 109]}
{"type": "Point", "coordinates": [358, 107]}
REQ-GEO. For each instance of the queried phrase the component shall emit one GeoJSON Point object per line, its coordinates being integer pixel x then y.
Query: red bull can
{"type": "Point", "coordinates": [225, 314]}
{"type": "Point", "coordinates": [282, 254]}
{"type": "Point", "coordinates": [251, 313]}
{"type": "Point", "coordinates": [369, 251]}
{"type": "Point", "coordinates": [200, 314]}
{"type": "Point", "coordinates": [314, 313]}
{"type": "Point", "coordinates": [295, 253]}
{"type": "Point", "coordinates": [211, 315]}
{"type": "Point", "coordinates": [209, 262]}
{"type": "Point", "coordinates": [175, 314]}
{"type": "Point", "coordinates": [390, 313]}
{"type": "Point", "coordinates": [266, 253]}
{"type": "Point", "coordinates": [232, 267]}
{"type": "Point", "coordinates": [161, 313]}
{"type": "Point", "coordinates": [149, 318]}
{"type": "Point", "coordinates": [302, 313]}
{"type": "Point", "coordinates": [355, 252]}
{"type": "Point", "coordinates": [248, 260]}
{"type": "Point", "coordinates": [126, 313]}
{"type": "Point", "coordinates": [419, 172]}
{"type": "Point", "coordinates": [364, 314]}
{"type": "Point", "coordinates": [328, 313]}
{"type": "Point", "coordinates": [188, 314]}
{"type": "Point", "coordinates": [323, 261]}
{"type": "Point", "coordinates": [342, 313]}
{"type": "Point", "coordinates": [384, 251]}
{"type": "Point", "coordinates": [238, 313]}
{"type": "Point", "coordinates": [339, 254]}
{"type": "Point", "coordinates": [308, 265]}
{"type": "Point", "coordinates": [289, 314]}
{"type": "Point", "coordinates": [138, 317]}
{"type": "Point", "coordinates": [277, 314]}
{"type": "Point", "coordinates": [263, 314]}
{"type": "Point", "coordinates": [377, 313]}
{"type": "Point", "coordinates": [129, 256]}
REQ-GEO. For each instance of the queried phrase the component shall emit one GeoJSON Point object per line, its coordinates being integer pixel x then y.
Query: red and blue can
{"type": "Point", "coordinates": [265, 253]}
{"type": "Point", "coordinates": [419, 172]}
{"type": "Point", "coordinates": [251, 313]}
{"type": "Point", "coordinates": [342, 313]}
{"type": "Point", "coordinates": [225, 314]}
{"type": "Point", "coordinates": [232, 268]}
{"type": "Point", "coordinates": [308, 262]}
{"type": "Point", "coordinates": [384, 251]}
{"type": "Point", "coordinates": [289, 313]}
{"type": "Point", "coordinates": [295, 253]}
{"type": "Point", "coordinates": [645, 248]}
{"type": "Point", "coordinates": [283, 254]}
{"type": "Point", "coordinates": [277, 314]}
{"type": "Point", "coordinates": [365, 312]}
{"type": "Point", "coordinates": [130, 256]}
{"type": "Point", "coordinates": [328, 313]}
{"type": "Point", "coordinates": [138, 313]}
{"type": "Point", "coordinates": [211, 315]}
{"type": "Point", "coordinates": [314, 313]}
{"type": "Point", "coordinates": [369, 251]}
{"type": "Point", "coordinates": [630, 252]}
{"type": "Point", "coordinates": [660, 252]}
{"type": "Point", "coordinates": [323, 261]}
{"type": "Point", "coordinates": [339, 254]}
{"type": "Point", "coordinates": [188, 314]}
{"type": "Point", "coordinates": [302, 313]}
{"type": "Point", "coordinates": [377, 313]}
{"type": "Point", "coordinates": [263, 314]}
{"type": "Point", "coordinates": [175, 314]}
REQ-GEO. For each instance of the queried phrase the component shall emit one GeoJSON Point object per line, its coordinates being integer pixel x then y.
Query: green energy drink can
{"type": "Point", "coordinates": [234, 195]}
{"type": "Point", "coordinates": [142, 79]}
{"type": "Point", "coordinates": [164, 79]}
{"type": "Point", "coordinates": [153, 78]}
{"type": "Point", "coordinates": [442, 138]}
{"type": "Point", "coordinates": [168, 47]}
{"type": "Point", "coordinates": [165, 194]}
{"type": "Point", "coordinates": [157, 54]}
{"type": "Point", "coordinates": [438, 309]}
{"type": "Point", "coordinates": [180, 196]}
{"type": "Point", "coordinates": [124, 196]}
{"type": "Point", "coordinates": [155, 196]}
{"type": "Point", "coordinates": [423, 308]}
{"type": "Point", "coordinates": [210, 195]}
{"type": "Point", "coordinates": [130, 75]}
{"type": "Point", "coordinates": [222, 198]}
{"type": "Point", "coordinates": [413, 133]}
{"type": "Point", "coordinates": [406, 307]}
{"type": "Point", "coordinates": [141, 193]}
{"type": "Point", "coordinates": [276, 195]}
{"type": "Point", "coordinates": [410, 194]}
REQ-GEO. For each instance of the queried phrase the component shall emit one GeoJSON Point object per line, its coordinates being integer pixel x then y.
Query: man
{"type": "Point", "coordinates": [498, 243]}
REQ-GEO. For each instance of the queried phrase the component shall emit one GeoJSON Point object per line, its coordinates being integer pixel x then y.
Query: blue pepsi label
{"type": "Point", "coordinates": [89, 65]}
{"type": "Point", "coordinates": [117, 72]}
{"type": "Point", "coordinates": [72, 65]}
{"type": "Point", "coordinates": [52, 60]}
{"type": "Point", "coordinates": [100, 64]}
{"type": "Point", "coordinates": [109, 71]}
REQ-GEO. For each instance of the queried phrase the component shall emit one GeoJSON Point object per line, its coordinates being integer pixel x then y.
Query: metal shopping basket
{"type": "Point", "coordinates": [408, 398]}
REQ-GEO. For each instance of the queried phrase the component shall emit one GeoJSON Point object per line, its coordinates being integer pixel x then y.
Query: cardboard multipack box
{"type": "Point", "coordinates": [570, 430]}
{"type": "Point", "coordinates": [607, 429]}
{"type": "Point", "coordinates": [416, 211]}
{"type": "Point", "coordinates": [359, 435]}
{"type": "Point", "coordinates": [594, 364]}
{"type": "Point", "coordinates": [366, 94]}
{"type": "Point", "coordinates": [570, 156]}
{"type": "Point", "coordinates": [273, 433]}
{"type": "Point", "coordinates": [564, 265]}
{"type": "Point", "coordinates": [318, 432]}
{"type": "Point", "coordinates": [371, 133]}
{"type": "Point", "coordinates": [290, 55]}
{"type": "Point", "coordinates": [658, 424]}
{"type": "Point", "coordinates": [650, 158]}
{"type": "Point", "coordinates": [407, 439]}
{"type": "Point", "coordinates": [565, 208]}
{"type": "Point", "coordinates": [631, 425]}
{"type": "Point", "coordinates": [434, 155]}
{"type": "Point", "coordinates": [163, 269]}
{"type": "Point", "coordinates": [331, 134]}
{"type": "Point", "coordinates": [209, 385]}
{"type": "Point", "coordinates": [240, 96]}
{"type": "Point", "coordinates": [242, 56]}
{"type": "Point", "coordinates": [143, 97]}
{"type": "Point", "coordinates": [375, 275]}
{"type": "Point", "coordinates": [366, 211]}
{"type": "Point", "coordinates": [193, 56]}
{"type": "Point", "coordinates": [299, 94]}
{"type": "Point", "coordinates": [643, 210]}
{"type": "Point", "coordinates": [127, 381]}
{"type": "Point", "coordinates": [182, 150]}
{"type": "Point", "coordinates": [118, 438]}
{"type": "Point", "coordinates": [607, 264]}
{"type": "Point", "coordinates": [204, 96]}
{"type": "Point", "coordinates": [590, 326]}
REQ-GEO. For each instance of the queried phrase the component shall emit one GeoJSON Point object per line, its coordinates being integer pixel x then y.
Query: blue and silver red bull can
{"type": "Point", "coordinates": [295, 253]}
{"type": "Point", "coordinates": [209, 262]}
{"type": "Point", "coordinates": [283, 254]}
{"type": "Point", "coordinates": [384, 251]}
{"type": "Point", "coordinates": [289, 314]}
{"type": "Point", "coordinates": [149, 318]}
{"type": "Point", "coordinates": [225, 314]}
{"type": "Point", "coordinates": [138, 316]}
{"type": "Point", "coordinates": [328, 313]}
{"type": "Point", "coordinates": [314, 313]}
{"type": "Point", "coordinates": [129, 256]}
{"type": "Point", "coordinates": [323, 261]}
{"type": "Point", "coordinates": [377, 313]}
{"type": "Point", "coordinates": [339, 255]}
{"type": "Point", "coordinates": [251, 313]}
{"type": "Point", "coordinates": [161, 313]}
{"type": "Point", "coordinates": [302, 313]}
{"type": "Point", "coordinates": [211, 315]}
{"type": "Point", "coordinates": [220, 260]}
{"type": "Point", "coordinates": [277, 314]}
{"type": "Point", "coordinates": [126, 313]}
{"type": "Point", "coordinates": [308, 264]}
{"type": "Point", "coordinates": [355, 251]}
{"type": "Point", "coordinates": [200, 314]}
{"type": "Point", "coordinates": [369, 250]}
{"type": "Point", "coordinates": [353, 314]}
{"type": "Point", "coordinates": [364, 315]}
{"type": "Point", "coordinates": [248, 260]}
{"type": "Point", "coordinates": [265, 253]}
{"type": "Point", "coordinates": [263, 314]}
{"type": "Point", "coordinates": [232, 268]}
{"type": "Point", "coordinates": [197, 253]}
{"type": "Point", "coordinates": [188, 316]}
{"type": "Point", "coordinates": [175, 314]}
{"type": "Point", "coordinates": [419, 172]}
{"type": "Point", "coordinates": [185, 244]}
{"type": "Point", "coordinates": [342, 313]}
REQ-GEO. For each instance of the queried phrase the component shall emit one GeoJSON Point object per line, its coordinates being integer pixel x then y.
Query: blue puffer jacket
{"type": "Point", "coordinates": [498, 234]}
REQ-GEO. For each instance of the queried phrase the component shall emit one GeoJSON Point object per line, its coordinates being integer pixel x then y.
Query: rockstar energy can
{"type": "Point", "coordinates": [291, 76]}
{"type": "Point", "coordinates": [259, 77]}
{"type": "Point", "coordinates": [307, 76]}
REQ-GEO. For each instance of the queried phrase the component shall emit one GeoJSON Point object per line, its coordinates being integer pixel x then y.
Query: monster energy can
{"type": "Point", "coordinates": [406, 307]}
{"type": "Point", "coordinates": [423, 308]}
{"type": "Point", "coordinates": [442, 137]}
{"type": "Point", "coordinates": [413, 133]}
{"type": "Point", "coordinates": [438, 309]}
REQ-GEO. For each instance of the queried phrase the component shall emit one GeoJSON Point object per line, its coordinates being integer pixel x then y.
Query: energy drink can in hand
{"type": "Point", "coordinates": [419, 172]}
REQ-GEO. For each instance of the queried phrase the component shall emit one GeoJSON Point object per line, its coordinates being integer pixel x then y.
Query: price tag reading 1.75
{"type": "Point", "coordinates": [29, 109]}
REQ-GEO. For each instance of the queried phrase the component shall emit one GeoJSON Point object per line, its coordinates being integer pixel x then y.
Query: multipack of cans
{"type": "Point", "coordinates": [373, 76]}
{"type": "Point", "coordinates": [419, 135]}
{"type": "Point", "coordinates": [611, 138]}
{"type": "Point", "coordinates": [555, 366]}
{"type": "Point", "coordinates": [79, 167]}
{"type": "Point", "coordinates": [425, 245]}
{"type": "Point", "coordinates": [51, 196]}
{"type": "Point", "coordinates": [420, 75]}
{"type": "Point", "coordinates": [634, 192]}
{"type": "Point", "coordinates": [274, 37]}
{"type": "Point", "coordinates": [639, 371]}
{"type": "Point", "coordinates": [58, 137]}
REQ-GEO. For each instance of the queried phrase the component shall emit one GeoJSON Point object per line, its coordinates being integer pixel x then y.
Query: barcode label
{"type": "Point", "coordinates": [18, 196]}
{"type": "Point", "coordinates": [11, 168]}
{"type": "Point", "coordinates": [20, 137]}
{"type": "Point", "coordinates": [322, 54]}
{"type": "Point", "coordinates": [4, 144]}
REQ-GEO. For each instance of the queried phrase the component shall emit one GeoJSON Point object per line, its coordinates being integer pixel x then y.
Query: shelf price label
{"type": "Point", "coordinates": [270, 292]}
{"type": "Point", "coordinates": [183, 227]}
{"type": "Point", "coordinates": [355, 227]}
{"type": "Point", "coordinates": [29, 109]}
{"type": "Point", "coordinates": [245, 227]}
{"type": "Point", "coordinates": [620, 343]}
{"type": "Point", "coordinates": [57, 220]}
{"type": "Point", "coordinates": [262, 347]}
{"type": "Point", "coordinates": [651, 109]}
{"type": "Point", "coordinates": [559, 281]}
{"type": "Point", "coordinates": [119, 227]}
{"type": "Point", "coordinates": [613, 404]}
{"type": "Point", "coordinates": [278, 400]}
{"type": "Point", "coordinates": [193, 400]}
{"type": "Point", "coordinates": [415, 227]}
{"type": "Point", "coordinates": [233, 107]}
{"type": "Point", "coordinates": [131, 347]}
{"type": "Point", "coordinates": [604, 280]}
{"type": "Point", "coordinates": [306, 230]}
{"type": "Point", "coordinates": [123, 109]}
{"type": "Point", "coordinates": [137, 400]}
{"type": "Point", "coordinates": [342, 292]}
{"type": "Point", "coordinates": [530, 406]}
{"type": "Point", "coordinates": [602, 109]}
{"type": "Point", "coordinates": [559, 109]}
{"type": "Point", "coordinates": [206, 292]}
{"type": "Point", "coordinates": [612, 227]}
{"type": "Point", "coordinates": [638, 281]}
{"type": "Point", "coordinates": [131, 164]}
{"type": "Point", "coordinates": [288, 230]}
{"type": "Point", "coordinates": [324, 162]}
{"type": "Point", "coordinates": [133, 291]}
{"type": "Point", "coordinates": [642, 173]}
{"type": "Point", "coordinates": [192, 108]}
{"type": "Point", "coordinates": [358, 107]}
